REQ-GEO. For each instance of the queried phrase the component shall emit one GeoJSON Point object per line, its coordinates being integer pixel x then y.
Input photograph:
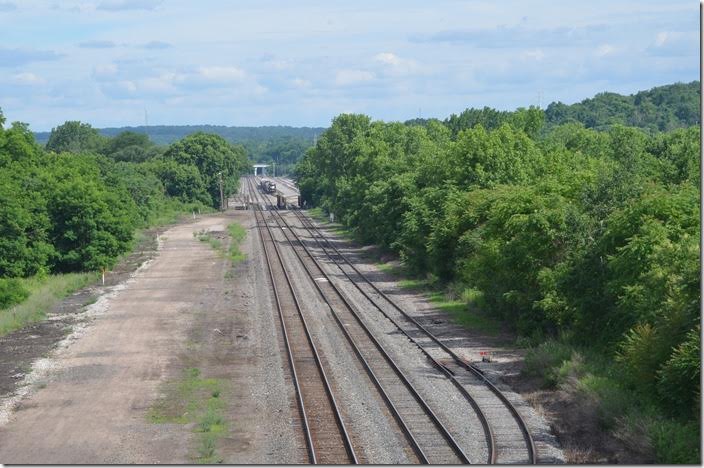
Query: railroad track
{"type": "Point", "coordinates": [326, 437]}
{"type": "Point", "coordinates": [504, 446]}
{"type": "Point", "coordinates": [429, 437]}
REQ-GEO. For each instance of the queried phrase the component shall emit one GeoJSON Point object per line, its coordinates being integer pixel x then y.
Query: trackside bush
{"type": "Point", "coordinates": [12, 292]}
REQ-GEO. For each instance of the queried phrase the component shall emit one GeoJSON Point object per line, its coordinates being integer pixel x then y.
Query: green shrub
{"type": "Point", "coordinates": [679, 378]}
{"type": "Point", "coordinates": [675, 442]}
{"type": "Point", "coordinates": [637, 353]}
{"type": "Point", "coordinates": [546, 359]}
{"type": "Point", "coordinates": [613, 400]}
{"type": "Point", "coordinates": [12, 292]}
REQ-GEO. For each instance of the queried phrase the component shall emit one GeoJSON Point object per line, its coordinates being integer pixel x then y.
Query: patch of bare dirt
{"type": "Point", "coordinates": [96, 389]}
{"type": "Point", "coordinates": [22, 347]}
{"type": "Point", "coordinates": [91, 398]}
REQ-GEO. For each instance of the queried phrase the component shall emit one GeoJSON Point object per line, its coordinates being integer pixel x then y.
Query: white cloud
{"type": "Point", "coordinates": [221, 74]}
{"type": "Point", "coordinates": [604, 50]}
{"type": "Point", "coordinates": [661, 38]}
{"type": "Point", "coordinates": [123, 89]}
{"type": "Point", "coordinates": [396, 64]}
{"type": "Point", "coordinates": [350, 77]}
{"type": "Point", "coordinates": [536, 54]}
{"type": "Point", "coordinates": [301, 83]}
{"type": "Point", "coordinates": [105, 71]}
{"type": "Point", "coordinates": [28, 78]}
{"type": "Point", "coordinates": [279, 64]}
{"type": "Point", "coordinates": [126, 5]}
{"type": "Point", "coordinates": [163, 84]}
{"type": "Point", "coordinates": [388, 58]}
{"type": "Point", "coordinates": [129, 86]}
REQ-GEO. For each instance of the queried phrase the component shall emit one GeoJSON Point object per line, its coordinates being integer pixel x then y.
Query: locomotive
{"type": "Point", "coordinates": [268, 186]}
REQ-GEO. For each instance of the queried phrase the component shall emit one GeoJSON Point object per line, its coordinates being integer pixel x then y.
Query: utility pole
{"type": "Point", "coordinates": [222, 196]}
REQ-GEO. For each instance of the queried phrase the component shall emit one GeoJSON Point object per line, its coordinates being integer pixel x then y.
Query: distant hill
{"type": "Point", "coordinates": [165, 134]}
{"type": "Point", "coordinates": [661, 108]}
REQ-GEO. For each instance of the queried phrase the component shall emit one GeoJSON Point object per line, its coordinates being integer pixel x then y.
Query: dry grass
{"type": "Point", "coordinates": [579, 455]}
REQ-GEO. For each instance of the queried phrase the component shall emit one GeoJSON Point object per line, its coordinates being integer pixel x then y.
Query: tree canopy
{"type": "Point", "coordinates": [561, 230]}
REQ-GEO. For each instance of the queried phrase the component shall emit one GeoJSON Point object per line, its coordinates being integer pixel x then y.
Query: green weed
{"type": "Point", "coordinates": [465, 315]}
{"type": "Point", "coordinates": [237, 235]}
{"type": "Point", "coordinates": [197, 400]}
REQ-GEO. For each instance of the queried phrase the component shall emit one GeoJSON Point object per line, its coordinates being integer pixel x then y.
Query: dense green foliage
{"type": "Point", "coordinates": [662, 108]}
{"type": "Point", "coordinates": [12, 292]}
{"type": "Point", "coordinates": [282, 152]}
{"type": "Point", "coordinates": [75, 207]}
{"type": "Point", "coordinates": [587, 235]}
{"type": "Point", "coordinates": [214, 160]}
{"type": "Point", "coordinates": [74, 137]}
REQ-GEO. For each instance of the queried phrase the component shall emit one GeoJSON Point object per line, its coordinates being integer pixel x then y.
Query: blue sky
{"type": "Point", "coordinates": [303, 62]}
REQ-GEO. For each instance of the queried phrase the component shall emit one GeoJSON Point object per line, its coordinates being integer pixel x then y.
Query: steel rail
{"type": "Point", "coordinates": [528, 438]}
{"type": "Point", "coordinates": [338, 417]}
{"type": "Point", "coordinates": [488, 431]}
{"type": "Point", "coordinates": [415, 445]}
{"type": "Point", "coordinates": [419, 399]}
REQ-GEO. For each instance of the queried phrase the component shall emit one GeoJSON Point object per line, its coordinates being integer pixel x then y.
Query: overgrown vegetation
{"type": "Point", "coordinates": [75, 206]}
{"type": "Point", "coordinates": [237, 235]}
{"type": "Point", "coordinates": [194, 399]}
{"type": "Point", "coordinates": [589, 236]}
{"type": "Point", "coordinates": [28, 300]}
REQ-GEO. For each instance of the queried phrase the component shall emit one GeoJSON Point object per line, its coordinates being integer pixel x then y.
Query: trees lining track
{"type": "Point", "coordinates": [438, 354]}
{"type": "Point", "coordinates": [417, 420]}
{"type": "Point", "coordinates": [325, 434]}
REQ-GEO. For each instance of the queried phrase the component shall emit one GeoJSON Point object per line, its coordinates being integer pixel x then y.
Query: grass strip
{"type": "Point", "coordinates": [237, 235]}
{"type": "Point", "coordinates": [44, 293]}
{"type": "Point", "coordinates": [464, 309]}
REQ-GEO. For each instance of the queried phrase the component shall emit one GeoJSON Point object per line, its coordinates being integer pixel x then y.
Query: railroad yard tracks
{"type": "Point", "coordinates": [429, 436]}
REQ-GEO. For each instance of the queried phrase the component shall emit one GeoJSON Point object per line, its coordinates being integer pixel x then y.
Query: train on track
{"type": "Point", "coordinates": [268, 186]}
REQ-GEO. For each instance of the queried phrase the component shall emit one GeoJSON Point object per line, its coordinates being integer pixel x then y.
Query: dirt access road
{"type": "Point", "coordinates": [94, 404]}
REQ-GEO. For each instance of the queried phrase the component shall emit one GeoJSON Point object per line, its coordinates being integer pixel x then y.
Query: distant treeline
{"type": "Point", "coordinates": [280, 145]}
{"type": "Point", "coordinates": [662, 108]}
{"type": "Point", "coordinates": [167, 134]}
{"type": "Point", "coordinates": [659, 109]}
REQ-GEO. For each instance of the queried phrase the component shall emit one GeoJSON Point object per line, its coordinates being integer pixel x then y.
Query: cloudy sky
{"type": "Point", "coordinates": [300, 63]}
